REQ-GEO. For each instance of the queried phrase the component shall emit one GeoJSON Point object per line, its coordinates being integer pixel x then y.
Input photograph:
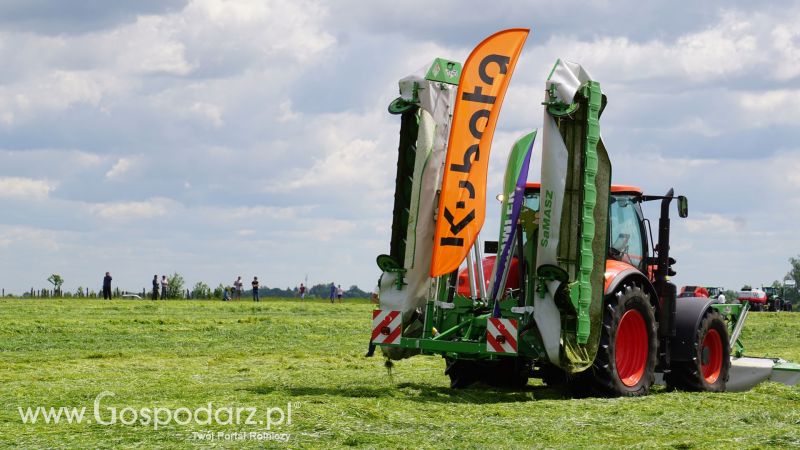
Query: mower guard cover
{"type": "Point", "coordinates": [747, 372]}
{"type": "Point", "coordinates": [576, 180]}
{"type": "Point", "coordinates": [425, 104]}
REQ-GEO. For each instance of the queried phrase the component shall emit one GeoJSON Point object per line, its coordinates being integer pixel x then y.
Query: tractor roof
{"type": "Point", "coordinates": [615, 188]}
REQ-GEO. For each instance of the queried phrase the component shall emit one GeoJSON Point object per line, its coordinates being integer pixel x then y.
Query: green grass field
{"type": "Point", "coordinates": [279, 352]}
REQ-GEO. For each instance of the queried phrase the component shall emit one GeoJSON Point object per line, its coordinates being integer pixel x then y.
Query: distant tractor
{"type": "Point", "coordinates": [714, 292]}
{"type": "Point", "coordinates": [774, 298]}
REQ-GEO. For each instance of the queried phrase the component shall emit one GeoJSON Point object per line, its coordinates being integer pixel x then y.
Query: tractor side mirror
{"type": "Point", "coordinates": [683, 206]}
{"type": "Point", "coordinates": [490, 247]}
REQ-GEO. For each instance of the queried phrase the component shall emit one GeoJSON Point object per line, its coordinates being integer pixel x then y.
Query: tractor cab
{"type": "Point", "coordinates": [628, 239]}
{"type": "Point", "coordinates": [628, 236]}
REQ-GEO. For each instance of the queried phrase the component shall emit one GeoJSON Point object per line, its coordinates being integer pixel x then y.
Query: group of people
{"type": "Point", "coordinates": [237, 290]}
{"type": "Point", "coordinates": [336, 292]}
{"type": "Point", "coordinates": [164, 283]}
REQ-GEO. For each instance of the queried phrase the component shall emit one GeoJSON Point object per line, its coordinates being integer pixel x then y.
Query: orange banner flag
{"type": "Point", "coordinates": [462, 202]}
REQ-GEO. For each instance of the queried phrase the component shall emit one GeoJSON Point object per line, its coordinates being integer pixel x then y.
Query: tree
{"type": "Point", "coordinates": [175, 285]}
{"type": "Point", "coordinates": [794, 271]}
{"type": "Point", "coordinates": [201, 290]}
{"type": "Point", "coordinates": [747, 287]}
{"type": "Point", "coordinates": [218, 292]}
{"type": "Point", "coordinates": [56, 280]}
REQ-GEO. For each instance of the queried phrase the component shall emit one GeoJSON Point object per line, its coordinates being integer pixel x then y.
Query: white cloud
{"type": "Point", "coordinates": [87, 159]}
{"type": "Point", "coordinates": [736, 44]}
{"type": "Point", "coordinates": [148, 46]}
{"type": "Point", "coordinates": [771, 107]}
{"type": "Point", "coordinates": [786, 42]}
{"type": "Point", "coordinates": [122, 167]}
{"type": "Point", "coordinates": [697, 125]}
{"type": "Point", "coordinates": [25, 188]}
{"type": "Point", "coordinates": [54, 91]}
{"type": "Point", "coordinates": [122, 211]}
{"type": "Point", "coordinates": [715, 223]}
{"type": "Point", "coordinates": [28, 237]}
{"type": "Point", "coordinates": [209, 112]}
{"type": "Point", "coordinates": [321, 230]}
{"type": "Point", "coordinates": [270, 27]}
{"type": "Point", "coordinates": [261, 212]}
{"type": "Point", "coordinates": [286, 112]}
{"type": "Point", "coordinates": [346, 159]}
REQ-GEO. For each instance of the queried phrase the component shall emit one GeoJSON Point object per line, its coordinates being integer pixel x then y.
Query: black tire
{"type": "Point", "coordinates": [709, 368]}
{"type": "Point", "coordinates": [510, 373]}
{"type": "Point", "coordinates": [637, 360]}
{"type": "Point", "coordinates": [552, 376]}
{"type": "Point", "coordinates": [505, 373]}
{"type": "Point", "coordinates": [462, 373]}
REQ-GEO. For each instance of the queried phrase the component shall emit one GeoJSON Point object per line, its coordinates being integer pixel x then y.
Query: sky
{"type": "Point", "coordinates": [222, 138]}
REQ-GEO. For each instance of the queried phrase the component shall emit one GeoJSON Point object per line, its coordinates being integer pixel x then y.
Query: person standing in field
{"type": "Point", "coordinates": [339, 293]}
{"type": "Point", "coordinates": [237, 288]}
{"type": "Point", "coordinates": [155, 287]}
{"type": "Point", "coordinates": [333, 291]}
{"type": "Point", "coordinates": [164, 284]}
{"type": "Point", "coordinates": [302, 292]}
{"type": "Point", "coordinates": [225, 296]}
{"type": "Point", "coordinates": [255, 289]}
{"type": "Point", "coordinates": [107, 286]}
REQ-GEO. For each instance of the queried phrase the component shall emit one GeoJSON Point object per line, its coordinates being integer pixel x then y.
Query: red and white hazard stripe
{"type": "Point", "coordinates": [501, 336]}
{"type": "Point", "coordinates": [386, 326]}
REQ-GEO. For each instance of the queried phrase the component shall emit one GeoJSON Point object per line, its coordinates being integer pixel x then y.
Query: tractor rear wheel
{"type": "Point", "coordinates": [626, 359]}
{"type": "Point", "coordinates": [711, 360]}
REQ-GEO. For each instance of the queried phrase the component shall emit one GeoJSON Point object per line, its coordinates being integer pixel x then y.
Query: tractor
{"type": "Point", "coordinates": [774, 298]}
{"type": "Point", "coordinates": [577, 291]}
{"type": "Point", "coordinates": [715, 291]}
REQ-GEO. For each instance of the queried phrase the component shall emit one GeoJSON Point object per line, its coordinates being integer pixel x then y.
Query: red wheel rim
{"type": "Point", "coordinates": [711, 354]}
{"type": "Point", "coordinates": [631, 348]}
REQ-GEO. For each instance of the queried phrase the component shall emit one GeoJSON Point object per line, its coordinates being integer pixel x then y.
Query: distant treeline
{"type": "Point", "coordinates": [318, 290]}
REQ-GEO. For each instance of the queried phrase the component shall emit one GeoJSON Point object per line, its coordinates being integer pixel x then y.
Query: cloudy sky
{"type": "Point", "coordinates": [221, 138]}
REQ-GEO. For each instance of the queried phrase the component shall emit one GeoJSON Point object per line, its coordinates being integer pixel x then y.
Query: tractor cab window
{"type": "Point", "coordinates": [626, 232]}
{"type": "Point", "coordinates": [530, 207]}
{"type": "Point", "coordinates": [532, 200]}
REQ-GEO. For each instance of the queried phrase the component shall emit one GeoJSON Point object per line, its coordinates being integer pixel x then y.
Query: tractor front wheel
{"type": "Point", "coordinates": [626, 360]}
{"type": "Point", "coordinates": [711, 359]}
